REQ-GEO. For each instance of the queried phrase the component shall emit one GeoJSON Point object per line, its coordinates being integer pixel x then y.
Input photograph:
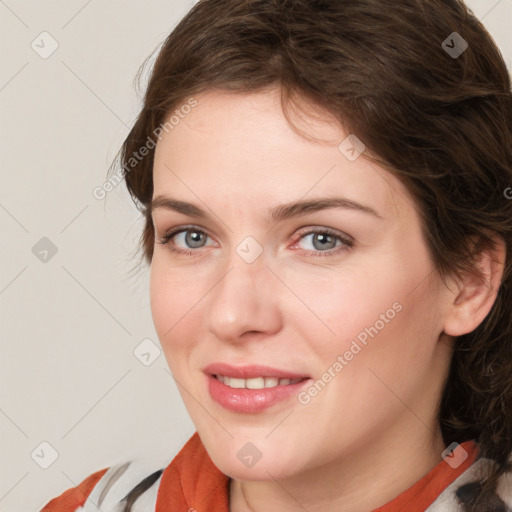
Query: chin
{"type": "Point", "coordinates": [264, 469]}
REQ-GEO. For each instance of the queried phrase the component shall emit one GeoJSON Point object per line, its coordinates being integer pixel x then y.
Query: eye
{"type": "Point", "coordinates": [324, 242]}
{"type": "Point", "coordinates": [190, 237]}
{"type": "Point", "coordinates": [186, 240]}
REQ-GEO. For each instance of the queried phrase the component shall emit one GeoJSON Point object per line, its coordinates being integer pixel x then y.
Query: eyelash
{"type": "Point", "coordinates": [347, 242]}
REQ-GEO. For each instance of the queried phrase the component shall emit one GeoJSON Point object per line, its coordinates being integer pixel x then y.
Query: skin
{"type": "Point", "coordinates": [373, 430]}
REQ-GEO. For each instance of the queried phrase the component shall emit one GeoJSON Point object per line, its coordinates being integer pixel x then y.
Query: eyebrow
{"type": "Point", "coordinates": [277, 213]}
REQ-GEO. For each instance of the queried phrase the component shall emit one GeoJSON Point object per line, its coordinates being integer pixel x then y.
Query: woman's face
{"type": "Point", "coordinates": [304, 258]}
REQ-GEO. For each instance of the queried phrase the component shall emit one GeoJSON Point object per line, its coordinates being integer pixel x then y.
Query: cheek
{"type": "Point", "coordinates": [376, 314]}
{"type": "Point", "coordinates": [174, 296]}
{"type": "Point", "coordinates": [387, 347]}
{"type": "Point", "coordinates": [333, 308]}
{"type": "Point", "coordinates": [162, 298]}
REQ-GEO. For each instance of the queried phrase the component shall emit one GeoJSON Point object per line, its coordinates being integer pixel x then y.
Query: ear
{"type": "Point", "coordinates": [473, 298]}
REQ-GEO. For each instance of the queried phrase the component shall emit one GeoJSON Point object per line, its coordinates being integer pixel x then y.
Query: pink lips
{"type": "Point", "coordinates": [249, 372]}
{"type": "Point", "coordinates": [250, 400]}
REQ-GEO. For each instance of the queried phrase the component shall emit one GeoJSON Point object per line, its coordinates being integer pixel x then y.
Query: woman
{"type": "Point", "coordinates": [324, 186]}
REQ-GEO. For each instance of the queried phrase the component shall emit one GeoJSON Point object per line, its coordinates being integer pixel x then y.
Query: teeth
{"type": "Point", "coordinates": [271, 382]}
{"type": "Point", "coordinates": [236, 383]}
{"type": "Point", "coordinates": [255, 383]}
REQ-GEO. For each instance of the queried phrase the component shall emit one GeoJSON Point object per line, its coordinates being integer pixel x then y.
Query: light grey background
{"type": "Point", "coordinates": [70, 324]}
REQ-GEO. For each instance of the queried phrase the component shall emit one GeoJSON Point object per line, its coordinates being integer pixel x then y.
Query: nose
{"type": "Point", "coordinates": [245, 302]}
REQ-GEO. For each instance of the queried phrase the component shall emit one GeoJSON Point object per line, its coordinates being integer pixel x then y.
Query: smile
{"type": "Point", "coordinates": [256, 382]}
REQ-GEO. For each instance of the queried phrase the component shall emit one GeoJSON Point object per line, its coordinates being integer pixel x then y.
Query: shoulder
{"type": "Point", "coordinates": [466, 484]}
{"type": "Point", "coordinates": [106, 490]}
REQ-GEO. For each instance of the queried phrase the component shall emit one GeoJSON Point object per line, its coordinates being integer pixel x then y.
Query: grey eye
{"type": "Point", "coordinates": [320, 241]}
{"type": "Point", "coordinates": [194, 239]}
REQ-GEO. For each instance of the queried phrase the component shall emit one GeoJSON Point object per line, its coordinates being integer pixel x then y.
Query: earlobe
{"type": "Point", "coordinates": [474, 297]}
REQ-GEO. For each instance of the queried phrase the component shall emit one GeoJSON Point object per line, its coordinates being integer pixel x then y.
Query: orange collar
{"type": "Point", "coordinates": [426, 490]}
{"type": "Point", "coordinates": [193, 483]}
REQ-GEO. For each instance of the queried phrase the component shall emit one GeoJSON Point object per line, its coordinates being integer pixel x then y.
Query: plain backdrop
{"type": "Point", "coordinates": [76, 395]}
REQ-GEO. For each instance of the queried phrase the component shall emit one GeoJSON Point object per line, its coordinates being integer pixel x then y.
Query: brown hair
{"type": "Point", "coordinates": [441, 123]}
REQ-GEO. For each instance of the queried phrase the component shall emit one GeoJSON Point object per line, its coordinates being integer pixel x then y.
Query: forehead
{"type": "Point", "coordinates": [241, 144]}
{"type": "Point", "coordinates": [247, 119]}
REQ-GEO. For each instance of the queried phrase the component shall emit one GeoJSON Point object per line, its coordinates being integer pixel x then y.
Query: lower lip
{"type": "Point", "coordinates": [250, 400]}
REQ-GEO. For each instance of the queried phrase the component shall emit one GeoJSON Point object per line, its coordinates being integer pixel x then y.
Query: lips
{"type": "Point", "coordinates": [251, 372]}
{"type": "Point", "coordinates": [252, 401]}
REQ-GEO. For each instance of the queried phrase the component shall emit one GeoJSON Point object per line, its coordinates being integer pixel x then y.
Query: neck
{"type": "Point", "coordinates": [362, 480]}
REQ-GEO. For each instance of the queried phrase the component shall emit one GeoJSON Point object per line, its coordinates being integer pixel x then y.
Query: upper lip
{"type": "Point", "coordinates": [250, 371]}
